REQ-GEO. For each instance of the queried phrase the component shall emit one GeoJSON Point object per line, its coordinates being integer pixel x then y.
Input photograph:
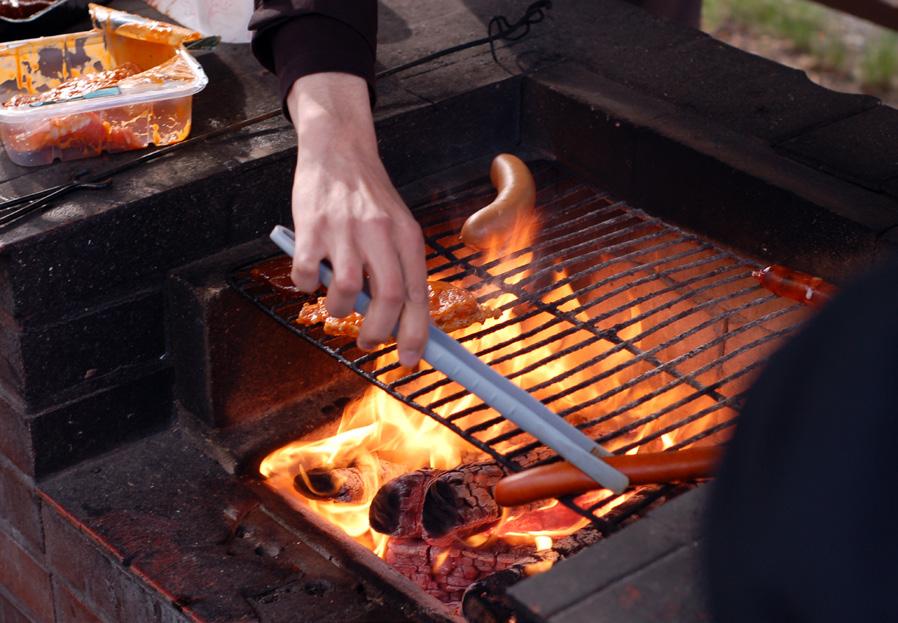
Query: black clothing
{"type": "Point", "coordinates": [295, 38]}
{"type": "Point", "coordinates": [803, 513]}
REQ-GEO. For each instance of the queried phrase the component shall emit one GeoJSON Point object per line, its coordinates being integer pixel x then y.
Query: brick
{"type": "Point", "coordinates": [52, 439]}
{"type": "Point", "coordinates": [70, 609]}
{"type": "Point", "coordinates": [226, 380]}
{"type": "Point", "coordinates": [862, 148]}
{"type": "Point", "coordinates": [19, 506]}
{"type": "Point", "coordinates": [15, 438]}
{"type": "Point", "coordinates": [25, 580]}
{"type": "Point", "coordinates": [93, 572]}
{"type": "Point", "coordinates": [100, 422]}
{"type": "Point", "coordinates": [9, 613]}
{"type": "Point", "coordinates": [83, 353]}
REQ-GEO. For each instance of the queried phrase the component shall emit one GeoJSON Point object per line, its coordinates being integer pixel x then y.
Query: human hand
{"type": "Point", "coordinates": [346, 209]}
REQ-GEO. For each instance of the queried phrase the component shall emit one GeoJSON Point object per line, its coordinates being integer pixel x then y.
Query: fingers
{"type": "Point", "coordinates": [415, 320]}
{"type": "Point", "coordinates": [387, 289]}
{"type": "Point", "coordinates": [347, 280]}
{"type": "Point", "coordinates": [307, 255]}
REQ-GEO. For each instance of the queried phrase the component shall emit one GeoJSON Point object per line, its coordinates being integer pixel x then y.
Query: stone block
{"type": "Point", "coordinates": [55, 438]}
{"type": "Point", "coordinates": [862, 148]}
{"type": "Point", "coordinates": [602, 566]}
{"type": "Point", "coordinates": [233, 364]}
{"type": "Point", "coordinates": [483, 121]}
{"type": "Point", "coordinates": [81, 354]}
{"type": "Point", "coordinates": [669, 590]}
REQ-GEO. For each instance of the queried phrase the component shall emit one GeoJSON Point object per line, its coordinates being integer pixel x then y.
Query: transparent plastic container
{"type": "Point", "coordinates": [154, 112]}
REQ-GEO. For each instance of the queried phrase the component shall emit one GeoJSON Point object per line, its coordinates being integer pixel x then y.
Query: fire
{"type": "Point", "coordinates": [380, 437]}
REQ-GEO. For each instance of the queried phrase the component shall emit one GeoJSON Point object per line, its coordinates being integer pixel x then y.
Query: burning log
{"type": "Point", "coordinates": [487, 601]}
{"type": "Point", "coordinates": [460, 502]}
{"type": "Point", "coordinates": [341, 484]}
{"type": "Point", "coordinates": [437, 505]}
{"type": "Point", "coordinates": [447, 571]}
{"type": "Point", "coordinates": [398, 507]}
{"type": "Point", "coordinates": [477, 577]}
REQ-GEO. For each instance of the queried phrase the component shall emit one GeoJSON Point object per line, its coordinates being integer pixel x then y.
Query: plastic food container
{"type": "Point", "coordinates": [152, 110]}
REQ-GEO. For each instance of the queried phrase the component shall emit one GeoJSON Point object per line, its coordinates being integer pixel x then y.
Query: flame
{"type": "Point", "coordinates": [381, 437]}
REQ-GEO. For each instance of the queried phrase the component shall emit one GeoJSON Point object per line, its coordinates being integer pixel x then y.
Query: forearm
{"type": "Point", "coordinates": [329, 107]}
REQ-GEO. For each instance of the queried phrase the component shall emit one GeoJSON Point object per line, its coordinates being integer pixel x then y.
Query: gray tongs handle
{"type": "Point", "coordinates": [447, 355]}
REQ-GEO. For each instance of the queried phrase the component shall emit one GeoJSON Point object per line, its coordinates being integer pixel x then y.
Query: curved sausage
{"type": "Point", "coordinates": [557, 479]}
{"type": "Point", "coordinates": [791, 284]}
{"type": "Point", "coordinates": [511, 208]}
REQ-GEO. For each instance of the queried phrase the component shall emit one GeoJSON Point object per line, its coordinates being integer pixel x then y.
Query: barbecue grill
{"type": "Point", "coordinates": [708, 322]}
{"type": "Point", "coordinates": [643, 334]}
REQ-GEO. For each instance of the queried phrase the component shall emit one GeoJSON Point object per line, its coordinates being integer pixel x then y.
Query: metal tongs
{"type": "Point", "coordinates": [445, 354]}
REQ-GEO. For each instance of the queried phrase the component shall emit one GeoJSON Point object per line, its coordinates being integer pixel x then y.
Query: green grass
{"type": "Point", "coordinates": [798, 21]}
{"type": "Point", "coordinates": [810, 29]}
{"type": "Point", "coordinates": [880, 62]}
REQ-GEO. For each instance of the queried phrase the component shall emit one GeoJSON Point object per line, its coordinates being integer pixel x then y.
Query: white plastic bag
{"type": "Point", "coordinates": [225, 18]}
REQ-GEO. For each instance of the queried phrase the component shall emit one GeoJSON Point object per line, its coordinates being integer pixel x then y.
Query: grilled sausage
{"type": "Point", "coordinates": [509, 210]}
{"type": "Point", "coordinates": [791, 284]}
{"type": "Point", "coordinates": [557, 479]}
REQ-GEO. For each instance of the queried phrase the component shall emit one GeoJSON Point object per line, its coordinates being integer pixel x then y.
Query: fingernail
{"type": "Point", "coordinates": [409, 359]}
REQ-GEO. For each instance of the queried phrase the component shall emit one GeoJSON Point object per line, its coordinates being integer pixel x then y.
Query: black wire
{"type": "Point", "coordinates": [534, 14]}
{"type": "Point", "coordinates": [14, 210]}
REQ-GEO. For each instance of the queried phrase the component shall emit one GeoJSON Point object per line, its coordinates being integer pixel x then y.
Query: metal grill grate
{"type": "Point", "coordinates": [641, 334]}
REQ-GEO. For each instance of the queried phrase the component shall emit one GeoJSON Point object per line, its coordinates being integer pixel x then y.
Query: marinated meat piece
{"type": "Point", "coordinates": [276, 273]}
{"type": "Point", "coordinates": [454, 308]}
{"type": "Point", "coordinates": [85, 133]}
{"type": "Point", "coordinates": [75, 87]}
{"type": "Point", "coordinates": [451, 308]}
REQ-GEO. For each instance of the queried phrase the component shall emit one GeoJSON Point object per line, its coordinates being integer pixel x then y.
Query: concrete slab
{"type": "Point", "coordinates": [862, 149]}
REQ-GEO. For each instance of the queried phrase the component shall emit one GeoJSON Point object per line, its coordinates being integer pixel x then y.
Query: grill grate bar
{"type": "Point", "coordinates": [645, 397]}
{"type": "Point", "coordinates": [620, 367]}
{"type": "Point", "coordinates": [646, 309]}
{"type": "Point", "coordinates": [611, 337]}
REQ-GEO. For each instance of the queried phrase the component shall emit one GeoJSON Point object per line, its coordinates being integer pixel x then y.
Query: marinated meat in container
{"type": "Point", "coordinates": [126, 84]}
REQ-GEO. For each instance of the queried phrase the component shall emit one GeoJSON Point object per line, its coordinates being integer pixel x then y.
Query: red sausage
{"type": "Point", "coordinates": [791, 284]}
{"type": "Point", "coordinates": [511, 208]}
{"type": "Point", "coordinates": [557, 479]}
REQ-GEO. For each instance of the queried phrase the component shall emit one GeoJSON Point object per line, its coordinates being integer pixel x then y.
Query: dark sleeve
{"type": "Point", "coordinates": [295, 38]}
{"type": "Point", "coordinates": [803, 513]}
